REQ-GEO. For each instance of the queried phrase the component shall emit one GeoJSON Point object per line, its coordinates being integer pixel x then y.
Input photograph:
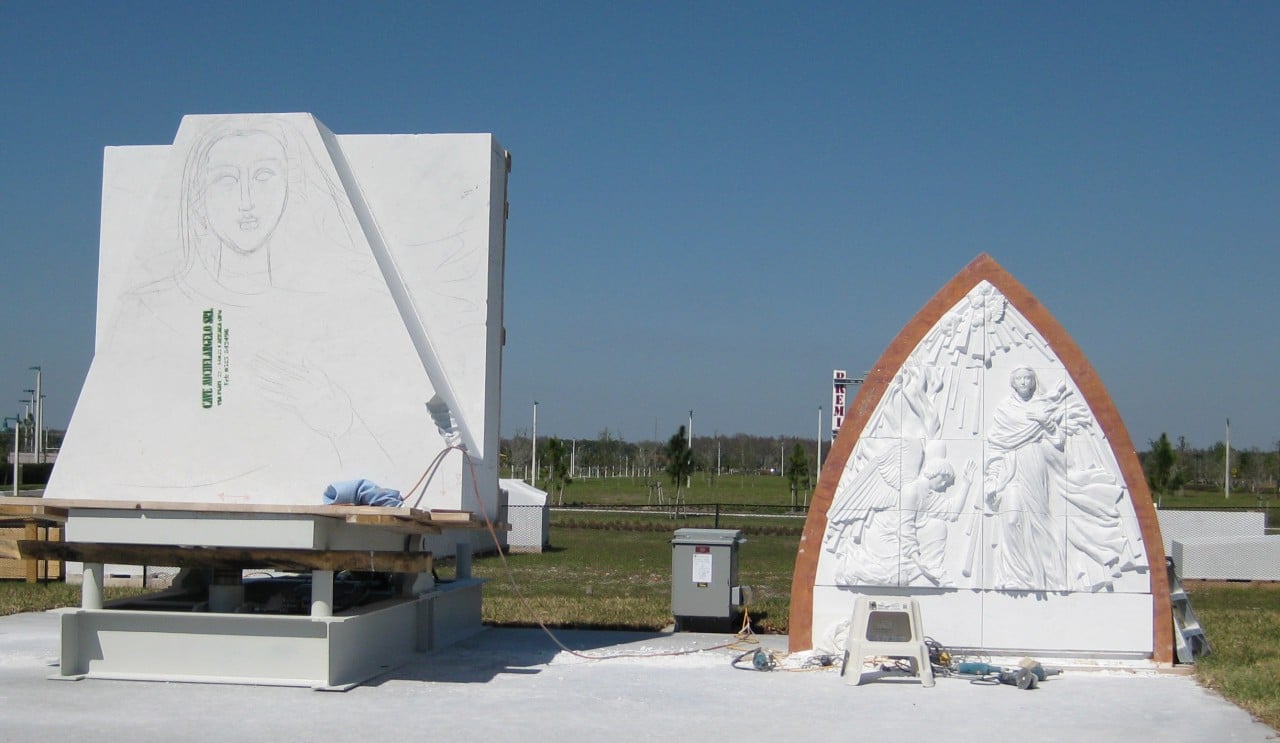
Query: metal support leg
{"type": "Point", "coordinates": [321, 593]}
{"type": "Point", "coordinates": [91, 589]}
{"type": "Point", "coordinates": [463, 560]}
{"type": "Point", "coordinates": [226, 592]}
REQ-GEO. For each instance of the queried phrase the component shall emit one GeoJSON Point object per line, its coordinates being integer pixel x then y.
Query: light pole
{"type": "Point", "coordinates": [39, 447]}
{"type": "Point", "coordinates": [33, 413]}
{"type": "Point", "coordinates": [818, 470]}
{"type": "Point", "coordinates": [17, 428]}
{"type": "Point", "coordinates": [688, 484]}
{"type": "Point", "coordinates": [533, 477]}
{"type": "Point", "coordinates": [1226, 463]}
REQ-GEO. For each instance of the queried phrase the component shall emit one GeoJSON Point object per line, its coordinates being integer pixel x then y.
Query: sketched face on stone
{"type": "Point", "coordinates": [246, 187]}
{"type": "Point", "coordinates": [1023, 381]}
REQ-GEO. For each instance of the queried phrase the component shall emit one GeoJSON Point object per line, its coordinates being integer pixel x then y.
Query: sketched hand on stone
{"type": "Point", "coordinates": [322, 405]}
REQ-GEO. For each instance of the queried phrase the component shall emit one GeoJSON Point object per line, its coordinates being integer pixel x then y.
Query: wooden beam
{"type": "Point", "coordinates": [33, 566]}
{"type": "Point", "coordinates": [432, 521]}
{"type": "Point", "coordinates": [231, 558]}
{"type": "Point", "coordinates": [30, 508]}
{"type": "Point", "coordinates": [394, 524]}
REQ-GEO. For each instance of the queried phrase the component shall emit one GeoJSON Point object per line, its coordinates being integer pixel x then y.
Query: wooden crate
{"type": "Point", "coordinates": [30, 570]}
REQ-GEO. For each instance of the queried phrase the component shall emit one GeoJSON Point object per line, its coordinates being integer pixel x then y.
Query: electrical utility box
{"type": "Point", "coordinates": [705, 594]}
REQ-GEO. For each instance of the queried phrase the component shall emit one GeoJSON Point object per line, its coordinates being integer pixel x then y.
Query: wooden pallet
{"type": "Point", "coordinates": [29, 554]}
{"type": "Point", "coordinates": [32, 570]}
{"type": "Point", "coordinates": [410, 520]}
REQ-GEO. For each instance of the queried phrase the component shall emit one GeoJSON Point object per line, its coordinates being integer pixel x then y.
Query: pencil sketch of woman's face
{"type": "Point", "coordinates": [246, 186]}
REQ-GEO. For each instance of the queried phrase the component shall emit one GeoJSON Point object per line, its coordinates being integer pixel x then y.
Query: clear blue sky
{"type": "Point", "coordinates": [715, 204]}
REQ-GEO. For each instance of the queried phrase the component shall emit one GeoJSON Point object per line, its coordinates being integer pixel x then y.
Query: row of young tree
{"type": "Point", "coordinates": [1175, 466]}
{"type": "Point", "coordinates": [1172, 466]}
{"type": "Point", "coordinates": [675, 461]}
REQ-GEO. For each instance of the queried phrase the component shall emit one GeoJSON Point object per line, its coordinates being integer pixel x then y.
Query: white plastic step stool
{"type": "Point", "coordinates": [885, 626]}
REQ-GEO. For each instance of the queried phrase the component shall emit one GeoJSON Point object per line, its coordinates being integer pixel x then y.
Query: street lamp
{"type": "Point", "coordinates": [817, 470]}
{"type": "Point", "coordinates": [39, 449]}
{"type": "Point", "coordinates": [33, 410]}
{"type": "Point", "coordinates": [688, 484]}
{"type": "Point", "coordinates": [533, 478]}
{"type": "Point", "coordinates": [819, 440]}
{"type": "Point", "coordinates": [17, 428]}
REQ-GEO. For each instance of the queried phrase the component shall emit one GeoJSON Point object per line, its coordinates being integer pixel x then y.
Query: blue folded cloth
{"type": "Point", "coordinates": [360, 493]}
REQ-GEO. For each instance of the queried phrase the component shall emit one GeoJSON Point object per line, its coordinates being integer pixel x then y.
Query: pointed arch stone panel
{"type": "Point", "coordinates": [984, 468]}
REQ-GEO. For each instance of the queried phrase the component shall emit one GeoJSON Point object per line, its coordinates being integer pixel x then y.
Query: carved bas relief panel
{"type": "Point", "coordinates": [983, 481]}
{"type": "Point", "coordinates": [278, 305]}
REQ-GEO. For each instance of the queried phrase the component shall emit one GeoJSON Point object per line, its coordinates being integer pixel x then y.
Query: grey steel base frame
{"type": "Point", "coordinates": [320, 650]}
{"type": "Point", "coordinates": [328, 653]}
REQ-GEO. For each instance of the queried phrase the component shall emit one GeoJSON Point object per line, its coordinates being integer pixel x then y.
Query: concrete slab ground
{"type": "Point", "coordinates": [517, 685]}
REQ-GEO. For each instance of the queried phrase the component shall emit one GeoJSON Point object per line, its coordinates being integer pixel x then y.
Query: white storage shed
{"type": "Point", "coordinates": [529, 516]}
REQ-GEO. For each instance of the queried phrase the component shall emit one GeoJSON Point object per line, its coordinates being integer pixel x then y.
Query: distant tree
{"type": "Point", "coordinates": [504, 457]}
{"type": "Point", "coordinates": [518, 451]}
{"type": "Point", "coordinates": [605, 452]}
{"type": "Point", "coordinates": [1189, 462]}
{"type": "Point", "coordinates": [6, 446]}
{"type": "Point", "coordinates": [1217, 463]}
{"type": "Point", "coordinates": [1275, 466]}
{"type": "Point", "coordinates": [679, 462]}
{"type": "Point", "coordinates": [643, 455]}
{"type": "Point", "coordinates": [1243, 470]}
{"type": "Point", "coordinates": [1163, 474]}
{"type": "Point", "coordinates": [557, 463]}
{"type": "Point", "coordinates": [797, 472]}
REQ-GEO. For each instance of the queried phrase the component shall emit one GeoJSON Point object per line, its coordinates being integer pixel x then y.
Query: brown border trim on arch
{"type": "Point", "coordinates": [984, 267]}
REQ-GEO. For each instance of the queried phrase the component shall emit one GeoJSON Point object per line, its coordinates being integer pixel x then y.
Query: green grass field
{"type": "Point", "coordinates": [620, 578]}
{"type": "Point", "coordinates": [1242, 622]}
{"type": "Point", "coordinates": [17, 597]}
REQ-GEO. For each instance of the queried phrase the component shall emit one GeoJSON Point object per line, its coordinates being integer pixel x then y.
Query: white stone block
{"type": "Point", "coordinates": [277, 305]}
{"type": "Point", "coordinates": [1228, 558]}
{"type": "Point", "coordinates": [1184, 525]}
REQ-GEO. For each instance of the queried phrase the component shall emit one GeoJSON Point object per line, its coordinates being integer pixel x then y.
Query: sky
{"type": "Point", "coordinates": [715, 204]}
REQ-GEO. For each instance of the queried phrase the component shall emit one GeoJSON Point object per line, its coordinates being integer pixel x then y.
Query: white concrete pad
{"type": "Point", "coordinates": [516, 685]}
